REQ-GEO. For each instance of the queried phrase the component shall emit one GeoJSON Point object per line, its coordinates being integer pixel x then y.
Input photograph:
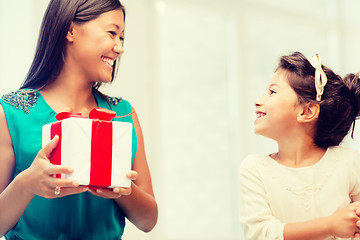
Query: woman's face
{"type": "Point", "coordinates": [93, 46]}
{"type": "Point", "coordinates": [277, 110]}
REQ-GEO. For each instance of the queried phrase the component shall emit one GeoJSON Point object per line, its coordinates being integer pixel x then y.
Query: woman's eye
{"type": "Point", "coordinates": [122, 40]}
{"type": "Point", "coordinates": [112, 33]}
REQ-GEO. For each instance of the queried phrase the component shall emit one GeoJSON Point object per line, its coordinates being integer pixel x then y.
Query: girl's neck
{"type": "Point", "coordinates": [298, 153]}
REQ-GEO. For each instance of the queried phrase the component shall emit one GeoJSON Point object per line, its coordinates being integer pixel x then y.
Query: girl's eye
{"type": "Point", "coordinates": [122, 40]}
{"type": "Point", "coordinates": [271, 92]}
{"type": "Point", "coordinates": [112, 33]}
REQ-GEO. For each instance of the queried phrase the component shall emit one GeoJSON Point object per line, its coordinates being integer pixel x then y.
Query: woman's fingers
{"type": "Point", "coordinates": [64, 191]}
{"type": "Point", "coordinates": [57, 169]}
{"type": "Point", "coordinates": [116, 192]}
{"type": "Point", "coordinates": [57, 182]}
{"type": "Point", "coordinates": [132, 175]}
{"type": "Point", "coordinates": [122, 191]}
{"type": "Point", "coordinates": [47, 150]}
{"type": "Point", "coordinates": [111, 193]}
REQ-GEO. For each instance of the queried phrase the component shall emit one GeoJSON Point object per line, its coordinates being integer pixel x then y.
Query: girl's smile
{"type": "Point", "coordinates": [276, 111]}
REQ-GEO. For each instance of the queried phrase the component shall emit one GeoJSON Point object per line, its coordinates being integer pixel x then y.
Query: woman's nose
{"type": "Point", "coordinates": [118, 47]}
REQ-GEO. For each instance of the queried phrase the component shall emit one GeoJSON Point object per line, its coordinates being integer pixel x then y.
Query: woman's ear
{"type": "Point", "coordinates": [309, 113]}
{"type": "Point", "coordinates": [70, 33]}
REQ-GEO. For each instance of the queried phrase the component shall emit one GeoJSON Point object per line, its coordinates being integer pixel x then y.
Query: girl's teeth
{"type": "Point", "coordinates": [260, 115]}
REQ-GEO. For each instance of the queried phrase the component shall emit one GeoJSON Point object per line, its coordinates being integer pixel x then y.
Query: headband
{"type": "Point", "coordinates": [320, 76]}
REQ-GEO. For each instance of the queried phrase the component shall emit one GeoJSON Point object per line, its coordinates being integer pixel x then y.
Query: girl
{"type": "Point", "coordinates": [309, 188]}
{"type": "Point", "coordinates": [79, 46]}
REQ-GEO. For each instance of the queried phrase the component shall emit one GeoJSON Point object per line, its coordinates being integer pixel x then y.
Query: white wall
{"type": "Point", "coordinates": [192, 69]}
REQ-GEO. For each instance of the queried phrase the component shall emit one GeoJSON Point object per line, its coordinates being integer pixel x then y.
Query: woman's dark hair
{"type": "Point", "coordinates": [340, 102]}
{"type": "Point", "coordinates": [49, 54]}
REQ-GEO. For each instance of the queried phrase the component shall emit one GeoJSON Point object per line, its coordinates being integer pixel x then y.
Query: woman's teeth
{"type": "Point", "coordinates": [108, 61]}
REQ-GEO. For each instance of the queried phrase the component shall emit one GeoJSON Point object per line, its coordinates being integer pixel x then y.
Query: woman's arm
{"type": "Point", "coordinates": [13, 200]}
{"type": "Point", "coordinates": [140, 206]}
{"type": "Point", "coordinates": [137, 202]}
{"type": "Point", "coordinates": [38, 179]}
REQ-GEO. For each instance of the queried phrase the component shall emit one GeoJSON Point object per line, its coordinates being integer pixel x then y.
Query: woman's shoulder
{"type": "Point", "coordinates": [22, 99]}
{"type": "Point", "coordinates": [111, 100]}
{"type": "Point", "coordinates": [114, 100]}
{"type": "Point", "coordinates": [121, 106]}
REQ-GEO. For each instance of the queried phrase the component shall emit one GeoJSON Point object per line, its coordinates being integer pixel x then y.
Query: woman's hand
{"type": "Point", "coordinates": [40, 176]}
{"type": "Point", "coordinates": [116, 192]}
{"type": "Point", "coordinates": [344, 222]}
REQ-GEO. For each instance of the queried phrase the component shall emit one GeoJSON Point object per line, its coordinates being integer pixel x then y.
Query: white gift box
{"type": "Point", "coordinates": [99, 151]}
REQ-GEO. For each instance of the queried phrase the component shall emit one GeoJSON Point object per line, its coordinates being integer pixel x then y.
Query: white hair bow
{"type": "Point", "coordinates": [320, 76]}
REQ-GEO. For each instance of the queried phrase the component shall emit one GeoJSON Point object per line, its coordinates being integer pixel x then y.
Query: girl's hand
{"type": "Point", "coordinates": [357, 234]}
{"type": "Point", "coordinates": [343, 223]}
{"type": "Point", "coordinates": [40, 176]}
{"type": "Point", "coordinates": [116, 192]}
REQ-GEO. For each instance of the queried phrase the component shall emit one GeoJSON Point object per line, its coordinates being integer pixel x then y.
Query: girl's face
{"type": "Point", "coordinates": [277, 110]}
{"type": "Point", "coordinates": [94, 46]}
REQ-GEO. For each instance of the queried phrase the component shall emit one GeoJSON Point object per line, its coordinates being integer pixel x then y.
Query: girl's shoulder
{"type": "Point", "coordinates": [344, 158]}
{"type": "Point", "coordinates": [344, 153]}
{"type": "Point", "coordinates": [253, 161]}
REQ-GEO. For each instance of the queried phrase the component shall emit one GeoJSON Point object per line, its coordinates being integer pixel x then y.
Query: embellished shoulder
{"type": "Point", "coordinates": [113, 100]}
{"type": "Point", "coordinates": [23, 99]}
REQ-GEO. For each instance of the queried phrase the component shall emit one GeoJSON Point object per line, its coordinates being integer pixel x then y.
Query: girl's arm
{"type": "Point", "coordinates": [256, 217]}
{"type": "Point", "coordinates": [16, 195]}
{"type": "Point", "coordinates": [341, 224]}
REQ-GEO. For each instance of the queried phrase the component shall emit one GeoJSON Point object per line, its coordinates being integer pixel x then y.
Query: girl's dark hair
{"type": "Point", "coordinates": [49, 54]}
{"type": "Point", "coordinates": [340, 102]}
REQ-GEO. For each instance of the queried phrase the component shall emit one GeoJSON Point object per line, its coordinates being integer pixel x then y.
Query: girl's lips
{"type": "Point", "coordinates": [259, 114]}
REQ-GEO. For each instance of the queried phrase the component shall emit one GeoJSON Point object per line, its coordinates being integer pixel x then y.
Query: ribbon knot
{"type": "Point", "coordinates": [95, 113]}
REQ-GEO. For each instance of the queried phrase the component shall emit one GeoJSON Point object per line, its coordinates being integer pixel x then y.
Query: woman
{"type": "Point", "coordinates": [78, 48]}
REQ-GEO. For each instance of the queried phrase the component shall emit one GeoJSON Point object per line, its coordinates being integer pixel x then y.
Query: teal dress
{"type": "Point", "coordinates": [79, 216]}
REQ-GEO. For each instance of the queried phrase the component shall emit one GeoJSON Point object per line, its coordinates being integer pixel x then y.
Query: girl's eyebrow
{"type": "Point", "coordinates": [273, 85]}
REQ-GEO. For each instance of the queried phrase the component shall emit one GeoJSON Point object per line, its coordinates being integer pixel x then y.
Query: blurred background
{"type": "Point", "coordinates": [192, 69]}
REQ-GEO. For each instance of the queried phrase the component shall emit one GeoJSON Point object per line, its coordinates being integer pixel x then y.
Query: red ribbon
{"type": "Point", "coordinates": [101, 153]}
{"type": "Point", "coordinates": [56, 154]}
{"type": "Point", "coordinates": [95, 113]}
{"type": "Point", "coordinates": [101, 144]}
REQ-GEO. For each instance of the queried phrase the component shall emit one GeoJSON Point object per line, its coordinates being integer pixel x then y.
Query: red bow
{"type": "Point", "coordinates": [95, 113]}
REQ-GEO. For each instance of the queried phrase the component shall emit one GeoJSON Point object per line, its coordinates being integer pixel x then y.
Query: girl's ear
{"type": "Point", "coordinates": [70, 33]}
{"type": "Point", "coordinates": [309, 113]}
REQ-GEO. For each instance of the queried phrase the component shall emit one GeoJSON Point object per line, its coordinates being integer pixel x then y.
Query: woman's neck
{"type": "Point", "coordinates": [71, 94]}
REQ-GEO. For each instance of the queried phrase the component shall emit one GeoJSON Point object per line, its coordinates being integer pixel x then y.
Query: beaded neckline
{"type": "Point", "coordinates": [25, 99]}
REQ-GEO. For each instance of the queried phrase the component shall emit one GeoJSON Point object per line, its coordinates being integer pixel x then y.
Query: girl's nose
{"type": "Point", "coordinates": [257, 102]}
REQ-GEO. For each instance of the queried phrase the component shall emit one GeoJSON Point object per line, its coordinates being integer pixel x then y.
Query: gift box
{"type": "Point", "coordinates": [99, 150]}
